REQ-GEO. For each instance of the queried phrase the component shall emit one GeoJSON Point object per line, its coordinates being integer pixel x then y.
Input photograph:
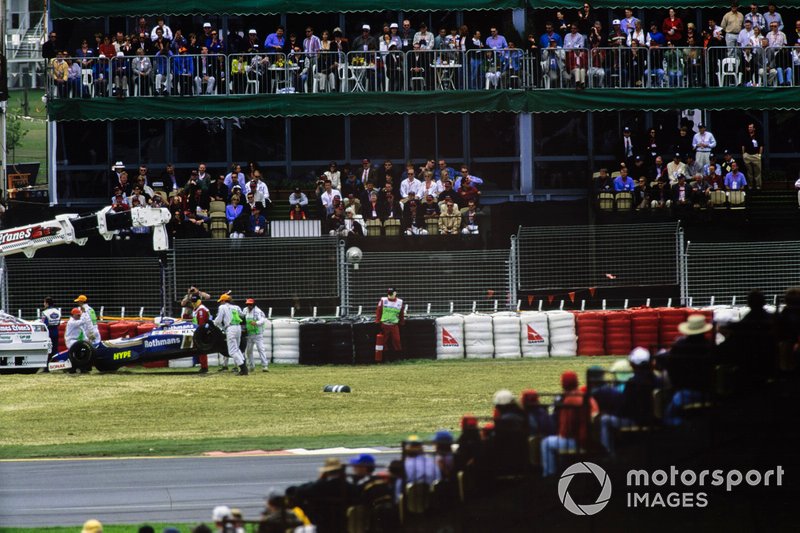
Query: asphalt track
{"type": "Point", "coordinates": [186, 489]}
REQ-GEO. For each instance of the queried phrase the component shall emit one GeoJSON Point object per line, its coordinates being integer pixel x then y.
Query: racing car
{"type": "Point", "coordinates": [24, 345]}
{"type": "Point", "coordinates": [170, 339]}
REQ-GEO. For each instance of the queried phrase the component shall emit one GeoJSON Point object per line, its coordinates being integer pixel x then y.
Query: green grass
{"type": "Point", "coordinates": [141, 412]}
{"type": "Point", "coordinates": [34, 144]}
{"type": "Point", "coordinates": [107, 528]}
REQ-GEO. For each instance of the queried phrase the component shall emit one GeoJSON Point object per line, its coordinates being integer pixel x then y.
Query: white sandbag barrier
{"type": "Point", "coordinates": [478, 337]}
{"type": "Point", "coordinates": [563, 340]}
{"type": "Point", "coordinates": [505, 328]}
{"type": "Point", "coordinates": [534, 334]}
{"type": "Point", "coordinates": [450, 337]}
{"type": "Point", "coordinates": [285, 341]}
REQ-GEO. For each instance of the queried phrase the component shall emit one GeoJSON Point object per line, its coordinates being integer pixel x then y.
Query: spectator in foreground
{"type": "Point", "coordinates": [92, 526]}
{"type": "Point", "coordinates": [277, 518]}
{"type": "Point", "coordinates": [326, 499]}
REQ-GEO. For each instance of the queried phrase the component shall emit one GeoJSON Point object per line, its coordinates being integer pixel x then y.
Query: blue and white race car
{"type": "Point", "coordinates": [171, 339]}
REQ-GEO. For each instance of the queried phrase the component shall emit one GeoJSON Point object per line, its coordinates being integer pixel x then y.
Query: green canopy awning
{"type": "Point", "coordinates": [544, 101]}
{"type": "Point", "coordinates": [61, 9]}
{"type": "Point", "coordinates": [638, 4]}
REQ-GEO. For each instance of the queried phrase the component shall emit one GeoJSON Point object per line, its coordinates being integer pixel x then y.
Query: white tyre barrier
{"type": "Point", "coordinates": [450, 337]}
{"type": "Point", "coordinates": [183, 362]}
{"type": "Point", "coordinates": [563, 339]}
{"type": "Point", "coordinates": [267, 336]}
{"type": "Point", "coordinates": [505, 328]}
{"type": "Point", "coordinates": [286, 341]}
{"type": "Point", "coordinates": [478, 337]}
{"type": "Point", "coordinates": [534, 334]}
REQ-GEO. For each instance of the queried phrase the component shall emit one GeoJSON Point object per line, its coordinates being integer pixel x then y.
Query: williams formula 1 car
{"type": "Point", "coordinates": [171, 339]}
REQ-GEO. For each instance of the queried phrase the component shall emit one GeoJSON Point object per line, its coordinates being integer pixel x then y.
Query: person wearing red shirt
{"type": "Point", "coordinates": [672, 28]}
{"type": "Point", "coordinates": [390, 314]}
{"type": "Point", "coordinates": [572, 419]}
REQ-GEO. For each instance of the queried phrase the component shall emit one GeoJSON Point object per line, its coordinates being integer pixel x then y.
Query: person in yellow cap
{"type": "Point", "coordinates": [229, 320]}
{"type": "Point", "coordinates": [92, 526]}
{"type": "Point", "coordinates": [86, 309]}
{"type": "Point", "coordinates": [255, 319]}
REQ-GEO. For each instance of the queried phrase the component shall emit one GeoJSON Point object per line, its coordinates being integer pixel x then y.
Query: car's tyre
{"type": "Point", "coordinates": [209, 339]}
{"type": "Point", "coordinates": [81, 355]}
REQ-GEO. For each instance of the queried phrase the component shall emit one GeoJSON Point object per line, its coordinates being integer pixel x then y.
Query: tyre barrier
{"type": "Point", "coordinates": [286, 341]}
{"type": "Point", "coordinates": [336, 388]}
{"type": "Point", "coordinates": [644, 328]}
{"type": "Point", "coordinates": [669, 318]}
{"type": "Point", "coordinates": [534, 334]}
{"type": "Point", "coordinates": [364, 332]}
{"type": "Point", "coordinates": [506, 332]}
{"type": "Point", "coordinates": [266, 334]}
{"type": "Point", "coordinates": [450, 337]}
{"type": "Point", "coordinates": [419, 338]}
{"type": "Point", "coordinates": [478, 337]}
{"type": "Point", "coordinates": [590, 329]}
{"type": "Point", "coordinates": [618, 333]}
{"type": "Point", "coordinates": [313, 342]}
{"type": "Point", "coordinates": [563, 339]}
{"type": "Point", "coordinates": [340, 343]}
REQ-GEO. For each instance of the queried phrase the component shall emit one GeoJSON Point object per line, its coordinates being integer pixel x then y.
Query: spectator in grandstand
{"type": "Point", "coordinates": [577, 59]}
{"type": "Point", "coordinates": [469, 219]}
{"type": "Point", "coordinates": [550, 33]}
{"type": "Point", "coordinates": [206, 73]}
{"type": "Point", "coordinates": [474, 180]}
{"type": "Point", "coordinates": [467, 192]}
{"type": "Point", "coordinates": [473, 48]}
{"type": "Point", "coordinates": [681, 195]}
{"type": "Point", "coordinates": [703, 143]}
{"type": "Point", "coordinates": [406, 35]}
{"type": "Point", "coordinates": [639, 168]}
{"type": "Point", "coordinates": [424, 38]}
{"type": "Point", "coordinates": [371, 209]}
{"type": "Point", "coordinates": [367, 173]}
{"type": "Point", "coordinates": [352, 186]}
{"type": "Point", "coordinates": [218, 191]}
{"type": "Point", "coordinates": [756, 19]}
{"type": "Point", "coordinates": [732, 23]}
{"type": "Point", "coordinates": [366, 42]}
{"type": "Point", "coordinates": [430, 208]}
{"type": "Point", "coordinates": [334, 174]}
{"type": "Point", "coordinates": [573, 424]}
{"type": "Point", "coordinates": [623, 182]}
{"type": "Point", "coordinates": [259, 190]}
{"type": "Point", "coordinates": [746, 35]}
{"type": "Point", "coordinates": [641, 194]}
{"type": "Point", "coordinates": [661, 195]}
{"type": "Point", "coordinates": [443, 166]}
{"type": "Point", "coordinates": [257, 225]}
{"type": "Point", "coordinates": [773, 16]}
{"type": "Point", "coordinates": [429, 186]}
{"type": "Point", "coordinates": [616, 37]}
{"type": "Point", "coordinates": [495, 41]}
{"type": "Point", "coordinates": [735, 180]}
{"type": "Point", "coordinates": [390, 208]}
{"type": "Point", "coordinates": [700, 189]}
{"type": "Point", "coordinates": [448, 192]}
{"type": "Point", "coordinates": [628, 23]}
{"type": "Point", "coordinates": [326, 197]}
{"type": "Point", "coordinates": [413, 220]}
{"type": "Point", "coordinates": [692, 166]}
{"type": "Point", "coordinates": [411, 183]}
{"type": "Point", "coordinates": [676, 168]}
{"type": "Point", "coordinates": [235, 177]}
{"type": "Point", "coordinates": [652, 146]}
{"type": "Point", "coordinates": [419, 466]}
{"type": "Point", "coordinates": [752, 150]}
{"type": "Point", "coordinates": [275, 42]}
{"type": "Point", "coordinates": [628, 147]}
{"type": "Point", "coordinates": [603, 182]}
{"type": "Point", "coordinates": [449, 218]}
{"type": "Point", "coordinates": [51, 47]}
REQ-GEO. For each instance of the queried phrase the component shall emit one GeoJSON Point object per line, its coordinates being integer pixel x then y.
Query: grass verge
{"type": "Point", "coordinates": [142, 412]}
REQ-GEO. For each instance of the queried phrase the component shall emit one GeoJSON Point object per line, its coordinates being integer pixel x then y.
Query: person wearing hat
{"type": "Point", "coordinates": [89, 312]}
{"type": "Point", "coordinates": [79, 328]}
{"type": "Point", "coordinates": [628, 148]}
{"type": "Point", "coordinates": [326, 499]}
{"type": "Point", "coordinates": [365, 42]}
{"type": "Point", "coordinates": [298, 199]}
{"type": "Point", "coordinates": [363, 468]}
{"type": "Point", "coordinates": [221, 516]}
{"type": "Point", "coordinates": [703, 143]}
{"type": "Point", "coordinates": [573, 424]}
{"type": "Point", "coordinates": [229, 320]}
{"type": "Point", "coordinates": [257, 223]}
{"type": "Point", "coordinates": [675, 168]}
{"type": "Point", "coordinates": [200, 316]}
{"type": "Point", "coordinates": [92, 526]}
{"type": "Point", "coordinates": [254, 320]}
{"type": "Point", "coordinates": [116, 172]}
{"type": "Point", "coordinates": [390, 314]}
{"type": "Point", "coordinates": [420, 467]}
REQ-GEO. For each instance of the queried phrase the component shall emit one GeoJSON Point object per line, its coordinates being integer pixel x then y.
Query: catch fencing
{"type": "Point", "coordinates": [438, 282]}
{"type": "Point", "coordinates": [720, 272]}
{"type": "Point", "coordinates": [570, 257]}
{"type": "Point", "coordinates": [132, 283]}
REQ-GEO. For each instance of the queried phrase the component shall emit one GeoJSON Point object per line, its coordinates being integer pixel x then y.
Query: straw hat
{"type": "Point", "coordinates": [695, 325]}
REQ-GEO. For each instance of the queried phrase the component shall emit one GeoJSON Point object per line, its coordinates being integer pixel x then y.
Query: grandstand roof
{"type": "Point", "coordinates": [114, 8]}
{"type": "Point", "coordinates": [540, 101]}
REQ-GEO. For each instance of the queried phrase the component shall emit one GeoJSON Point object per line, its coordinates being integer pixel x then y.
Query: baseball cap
{"type": "Point", "coordinates": [363, 459]}
{"type": "Point", "coordinates": [365, 27]}
{"type": "Point", "coordinates": [393, 25]}
{"type": "Point", "coordinates": [252, 31]}
{"type": "Point", "coordinates": [224, 298]}
{"type": "Point", "coordinates": [639, 356]}
{"type": "Point", "coordinates": [81, 299]}
{"type": "Point", "coordinates": [220, 512]}
{"type": "Point", "coordinates": [701, 125]}
{"type": "Point", "coordinates": [92, 526]}
{"type": "Point", "coordinates": [569, 380]}
{"type": "Point", "coordinates": [626, 129]}
{"type": "Point", "coordinates": [206, 24]}
{"type": "Point", "coordinates": [249, 301]}
{"type": "Point", "coordinates": [503, 397]}
{"type": "Point", "coordinates": [75, 311]}
{"type": "Point", "coordinates": [615, 22]}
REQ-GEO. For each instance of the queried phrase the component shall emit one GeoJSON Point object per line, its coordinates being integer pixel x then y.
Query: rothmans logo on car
{"type": "Point", "coordinates": [157, 343]}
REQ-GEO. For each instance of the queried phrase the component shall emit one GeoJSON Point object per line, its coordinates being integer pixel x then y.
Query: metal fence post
{"type": "Point", "coordinates": [513, 280]}
{"type": "Point", "coordinates": [343, 279]}
{"type": "Point", "coordinates": [682, 267]}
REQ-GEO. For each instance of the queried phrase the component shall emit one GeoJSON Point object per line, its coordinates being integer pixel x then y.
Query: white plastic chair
{"type": "Point", "coordinates": [728, 68]}
{"type": "Point", "coordinates": [87, 79]}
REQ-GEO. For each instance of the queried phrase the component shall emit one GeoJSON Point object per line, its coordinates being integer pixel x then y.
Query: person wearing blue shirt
{"type": "Point", "coordinates": [474, 180]}
{"type": "Point", "coordinates": [628, 24]}
{"type": "Point", "coordinates": [656, 36]}
{"type": "Point", "coordinates": [623, 182]}
{"type": "Point", "coordinates": [735, 180]}
{"type": "Point", "coordinates": [495, 41]}
{"type": "Point", "coordinates": [549, 33]}
{"type": "Point", "coordinates": [275, 42]}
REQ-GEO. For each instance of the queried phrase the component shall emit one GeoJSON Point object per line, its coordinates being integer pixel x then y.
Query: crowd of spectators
{"type": "Point", "coordinates": [537, 435]}
{"type": "Point", "coordinates": [573, 50]}
{"type": "Point", "coordinates": [690, 171]}
{"type": "Point", "coordinates": [431, 198]}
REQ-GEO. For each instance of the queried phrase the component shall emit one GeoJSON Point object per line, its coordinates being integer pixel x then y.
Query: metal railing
{"type": "Point", "coordinates": [636, 67]}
